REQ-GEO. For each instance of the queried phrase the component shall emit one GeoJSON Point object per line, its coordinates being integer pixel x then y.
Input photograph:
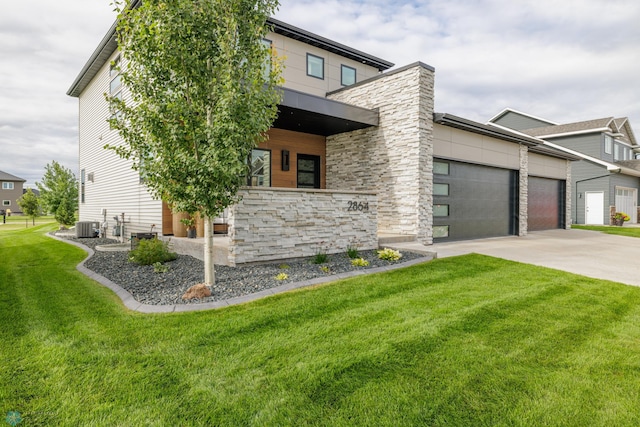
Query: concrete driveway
{"type": "Point", "coordinates": [589, 253]}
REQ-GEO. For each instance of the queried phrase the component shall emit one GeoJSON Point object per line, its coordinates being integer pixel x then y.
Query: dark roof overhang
{"type": "Point", "coordinates": [302, 112]}
{"type": "Point", "coordinates": [482, 129]}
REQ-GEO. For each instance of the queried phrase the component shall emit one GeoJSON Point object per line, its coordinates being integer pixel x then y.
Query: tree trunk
{"type": "Point", "coordinates": [209, 268]}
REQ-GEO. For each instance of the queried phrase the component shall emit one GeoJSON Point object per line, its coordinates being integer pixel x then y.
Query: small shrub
{"type": "Point", "coordinates": [159, 267]}
{"type": "Point", "coordinates": [388, 254]}
{"type": "Point", "coordinates": [282, 276]}
{"type": "Point", "coordinates": [320, 258]}
{"type": "Point", "coordinates": [359, 262]}
{"type": "Point", "coordinates": [325, 268]}
{"type": "Point", "coordinates": [352, 252]}
{"type": "Point", "coordinates": [284, 266]}
{"type": "Point", "coordinates": [150, 251]}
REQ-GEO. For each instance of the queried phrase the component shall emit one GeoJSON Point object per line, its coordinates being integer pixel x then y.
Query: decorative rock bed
{"type": "Point", "coordinates": [149, 287]}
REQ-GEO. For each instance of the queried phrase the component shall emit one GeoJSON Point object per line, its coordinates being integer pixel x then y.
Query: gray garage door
{"type": "Point", "coordinates": [473, 201]}
{"type": "Point", "coordinates": [545, 204]}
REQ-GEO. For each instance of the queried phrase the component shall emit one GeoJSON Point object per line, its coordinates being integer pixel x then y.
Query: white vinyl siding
{"type": "Point", "coordinates": [115, 187]}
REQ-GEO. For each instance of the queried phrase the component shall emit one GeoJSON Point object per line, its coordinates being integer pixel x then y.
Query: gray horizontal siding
{"type": "Point", "coordinates": [585, 177]}
{"type": "Point", "coordinates": [519, 122]}
{"type": "Point", "coordinates": [590, 144]}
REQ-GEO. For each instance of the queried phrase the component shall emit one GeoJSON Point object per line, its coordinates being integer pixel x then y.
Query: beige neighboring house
{"type": "Point", "coordinates": [10, 192]}
{"type": "Point", "coordinates": [357, 156]}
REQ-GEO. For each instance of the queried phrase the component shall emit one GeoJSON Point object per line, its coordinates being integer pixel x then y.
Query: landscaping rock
{"type": "Point", "coordinates": [198, 291]}
{"type": "Point", "coordinates": [150, 287]}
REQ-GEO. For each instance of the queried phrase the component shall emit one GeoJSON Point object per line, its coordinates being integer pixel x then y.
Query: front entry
{"type": "Point", "coordinates": [594, 208]}
{"type": "Point", "coordinates": [308, 171]}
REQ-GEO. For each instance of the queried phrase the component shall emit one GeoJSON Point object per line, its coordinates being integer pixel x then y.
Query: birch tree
{"type": "Point", "coordinates": [200, 92]}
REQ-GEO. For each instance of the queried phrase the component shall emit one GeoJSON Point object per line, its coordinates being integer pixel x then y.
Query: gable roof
{"type": "Point", "coordinates": [109, 44]}
{"type": "Point", "coordinates": [8, 177]}
{"type": "Point", "coordinates": [619, 127]}
{"type": "Point", "coordinates": [576, 155]}
{"type": "Point", "coordinates": [520, 113]}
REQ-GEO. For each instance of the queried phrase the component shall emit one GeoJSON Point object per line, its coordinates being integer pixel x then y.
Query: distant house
{"type": "Point", "coordinates": [607, 177]}
{"type": "Point", "coordinates": [10, 192]}
{"type": "Point", "coordinates": [357, 156]}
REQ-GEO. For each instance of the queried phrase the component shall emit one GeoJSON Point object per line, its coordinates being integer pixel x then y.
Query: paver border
{"type": "Point", "coordinates": [132, 304]}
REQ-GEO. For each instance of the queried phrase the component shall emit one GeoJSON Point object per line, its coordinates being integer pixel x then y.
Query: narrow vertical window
{"type": "Point", "coordinates": [315, 66]}
{"type": "Point", "coordinates": [607, 144]}
{"type": "Point", "coordinates": [260, 167]}
{"type": "Point", "coordinates": [114, 73]}
{"type": "Point", "coordinates": [82, 183]}
{"type": "Point", "coordinates": [616, 152]}
{"type": "Point", "coordinates": [115, 87]}
{"type": "Point", "coordinates": [347, 75]}
{"type": "Point", "coordinates": [266, 66]}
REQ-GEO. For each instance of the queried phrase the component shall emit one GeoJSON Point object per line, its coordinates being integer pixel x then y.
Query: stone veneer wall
{"type": "Point", "coordinates": [523, 214]}
{"type": "Point", "coordinates": [394, 159]}
{"type": "Point", "coordinates": [280, 223]}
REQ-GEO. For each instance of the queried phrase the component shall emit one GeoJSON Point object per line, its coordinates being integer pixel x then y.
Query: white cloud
{"type": "Point", "coordinates": [573, 60]}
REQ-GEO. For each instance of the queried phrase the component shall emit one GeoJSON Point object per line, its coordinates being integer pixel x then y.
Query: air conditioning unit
{"type": "Point", "coordinates": [86, 228]}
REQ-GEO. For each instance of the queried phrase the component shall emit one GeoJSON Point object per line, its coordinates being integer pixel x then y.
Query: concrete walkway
{"type": "Point", "coordinates": [589, 253]}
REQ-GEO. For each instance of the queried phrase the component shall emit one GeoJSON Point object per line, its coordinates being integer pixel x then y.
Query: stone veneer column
{"type": "Point", "coordinates": [394, 159]}
{"type": "Point", "coordinates": [523, 202]}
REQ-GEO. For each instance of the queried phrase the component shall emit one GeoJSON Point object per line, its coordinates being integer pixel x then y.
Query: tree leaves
{"type": "Point", "coordinates": [199, 97]}
{"type": "Point", "coordinates": [58, 186]}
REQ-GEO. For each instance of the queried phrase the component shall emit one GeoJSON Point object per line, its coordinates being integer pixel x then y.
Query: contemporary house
{"type": "Point", "coordinates": [10, 192]}
{"type": "Point", "coordinates": [357, 154]}
{"type": "Point", "coordinates": [607, 177]}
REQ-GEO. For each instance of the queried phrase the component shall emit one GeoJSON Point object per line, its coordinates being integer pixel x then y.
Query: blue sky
{"type": "Point", "coordinates": [563, 61]}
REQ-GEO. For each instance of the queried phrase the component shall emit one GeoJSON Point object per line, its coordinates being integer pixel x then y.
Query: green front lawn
{"type": "Point", "coordinates": [17, 222]}
{"type": "Point", "coordinates": [611, 229]}
{"type": "Point", "coordinates": [465, 341]}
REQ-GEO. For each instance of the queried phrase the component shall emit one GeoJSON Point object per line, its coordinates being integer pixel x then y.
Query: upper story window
{"type": "Point", "coordinates": [347, 75]}
{"type": "Point", "coordinates": [115, 87]}
{"type": "Point", "coordinates": [616, 152]}
{"type": "Point", "coordinates": [7, 185]}
{"type": "Point", "coordinates": [315, 66]}
{"type": "Point", "coordinates": [114, 75]}
{"type": "Point", "coordinates": [266, 67]}
{"type": "Point", "coordinates": [608, 141]}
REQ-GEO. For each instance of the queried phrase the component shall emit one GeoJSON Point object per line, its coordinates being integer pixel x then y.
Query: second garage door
{"type": "Point", "coordinates": [473, 201]}
{"type": "Point", "coordinates": [545, 204]}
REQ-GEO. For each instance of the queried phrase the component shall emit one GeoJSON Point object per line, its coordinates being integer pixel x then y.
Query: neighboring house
{"type": "Point", "coordinates": [606, 179]}
{"type": "Point", "coordinates": [355, 154]}
{"type": "Point", "coordinates": [10, 192]}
